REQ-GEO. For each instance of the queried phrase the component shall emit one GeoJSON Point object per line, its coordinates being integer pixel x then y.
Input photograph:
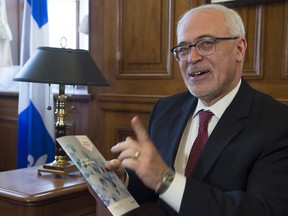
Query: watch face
{"type": "Point", "coordinates": [167, 179]}
{"type": "Point", "coordinates": [169, 174]}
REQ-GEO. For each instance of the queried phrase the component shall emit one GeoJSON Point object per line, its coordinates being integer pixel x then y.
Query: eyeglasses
{"type": "Point", "coordinates": [205, 47]}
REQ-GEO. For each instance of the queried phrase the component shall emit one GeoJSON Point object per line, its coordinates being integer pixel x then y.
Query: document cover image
{"type": "Point", "coordinates": [91, 164]}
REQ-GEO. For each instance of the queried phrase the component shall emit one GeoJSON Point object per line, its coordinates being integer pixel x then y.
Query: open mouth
{"type": "Point", "coordinates": [198, 73]}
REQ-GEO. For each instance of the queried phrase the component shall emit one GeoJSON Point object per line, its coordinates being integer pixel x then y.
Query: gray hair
{"type": "Point", "coordinates": [233, 20]}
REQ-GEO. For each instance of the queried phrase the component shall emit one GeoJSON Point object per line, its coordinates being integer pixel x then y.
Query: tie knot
{"type": "Point", "coordinates": [204, 117]}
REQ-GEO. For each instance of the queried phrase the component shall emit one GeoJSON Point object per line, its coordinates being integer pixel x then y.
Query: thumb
{"type": "Point", "coordinates": [139, 129]}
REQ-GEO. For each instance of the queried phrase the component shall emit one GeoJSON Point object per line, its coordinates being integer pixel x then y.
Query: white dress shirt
{"type": "Point", "coordinates": [173, 195]}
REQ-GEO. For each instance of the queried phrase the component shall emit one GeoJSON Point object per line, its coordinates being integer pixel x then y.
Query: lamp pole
{"type": "Point", "coordinates": [60, 128]}
{"type": "Point", "coordinates": [60, 165]}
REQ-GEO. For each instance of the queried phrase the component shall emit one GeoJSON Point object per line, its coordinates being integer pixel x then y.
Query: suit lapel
{"type": "Point", "coordinates": [177, 125]}
{"type": "Point", "coordinates": [216, 143]}
{"type": "Point", "coordinates": [226, 129]}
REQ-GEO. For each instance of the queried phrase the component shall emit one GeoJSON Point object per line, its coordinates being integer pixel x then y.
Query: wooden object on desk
{"type": "Point", "coordinates": [23, 192]}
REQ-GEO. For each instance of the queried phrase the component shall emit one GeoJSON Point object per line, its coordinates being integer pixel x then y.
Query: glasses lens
{"type": "Point", "coordinates": [206, 47]}
{"type": "Point", "coordinates": [181, 53]}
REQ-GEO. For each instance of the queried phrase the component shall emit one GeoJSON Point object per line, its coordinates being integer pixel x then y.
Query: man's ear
{"type": "Point", "coordinates": [241, 49]}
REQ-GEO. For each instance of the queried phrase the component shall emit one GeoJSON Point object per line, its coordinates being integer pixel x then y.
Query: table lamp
{"type": "Point", "coordinates": [64, 67]}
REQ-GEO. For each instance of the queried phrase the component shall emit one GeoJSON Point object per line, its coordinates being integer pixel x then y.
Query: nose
{"type": "Point", "coordinates": [194, 55]}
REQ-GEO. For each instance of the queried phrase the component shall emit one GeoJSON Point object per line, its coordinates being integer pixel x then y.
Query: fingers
{"type": "Point", "coordinates": [131, 151]}
{"type": "Point", "coordinates": [130, 148]}
{"type": "Point", "coordinates": [127, 149]}
{"type": "Point", "coordinates": [139, 155]}
{"type": "Point", "coordinates": [139, 129]}
{"type": "Point", "coordinates": [114, 164]}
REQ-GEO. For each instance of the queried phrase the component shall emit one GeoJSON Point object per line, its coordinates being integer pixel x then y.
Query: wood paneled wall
{"type": "Point", "coordinates": [130, 42]}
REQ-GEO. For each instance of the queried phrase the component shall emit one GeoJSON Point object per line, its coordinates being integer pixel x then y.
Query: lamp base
{"type": "Point", "coordinates": [58, 170]}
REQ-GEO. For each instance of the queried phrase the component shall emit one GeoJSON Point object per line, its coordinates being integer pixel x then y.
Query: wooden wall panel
{"type": "Point", "coordinates": [285, 43]}
{"type": "Point", "coordinates": [252, 19]}
{"type": "Point", "coordinates": [143, 38]}
{"type": "Point", "coordinates": [274, 50]}
{"type": "Point", "coordinates": [8, 130]}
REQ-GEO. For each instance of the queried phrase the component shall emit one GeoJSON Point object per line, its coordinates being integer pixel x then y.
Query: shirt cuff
{"type": "Point", "coordinates": [173, 195]}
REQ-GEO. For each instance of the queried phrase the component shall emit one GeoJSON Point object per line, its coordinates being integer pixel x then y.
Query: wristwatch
{"type": "Point", "coordinates": [167, 178]}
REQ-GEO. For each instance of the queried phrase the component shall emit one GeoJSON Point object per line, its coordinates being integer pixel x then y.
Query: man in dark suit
{"type": "Point", "coordinates": [243, 167]}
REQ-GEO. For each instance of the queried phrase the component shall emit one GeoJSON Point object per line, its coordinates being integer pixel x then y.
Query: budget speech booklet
{"type": "Point", "coordinates": [91, 164]}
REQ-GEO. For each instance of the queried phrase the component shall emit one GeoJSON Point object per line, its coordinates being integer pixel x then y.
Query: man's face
{"type": "Point", "coordinates": [211, 77]}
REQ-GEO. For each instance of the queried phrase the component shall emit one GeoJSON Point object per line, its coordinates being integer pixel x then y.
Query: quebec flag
{"type": "Point", "coordinates": [35, 122]}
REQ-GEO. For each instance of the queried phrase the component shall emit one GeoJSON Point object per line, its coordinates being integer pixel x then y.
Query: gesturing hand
{"type": "Point", "coordinates": [141, 156]}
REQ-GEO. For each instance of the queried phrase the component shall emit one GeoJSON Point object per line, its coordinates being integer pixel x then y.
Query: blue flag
{"type": "Point", "coordinates": [35, 122]}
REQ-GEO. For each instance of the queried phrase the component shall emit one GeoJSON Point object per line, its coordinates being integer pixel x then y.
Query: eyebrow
{"type": "Point", "coordinates": [197, 39]}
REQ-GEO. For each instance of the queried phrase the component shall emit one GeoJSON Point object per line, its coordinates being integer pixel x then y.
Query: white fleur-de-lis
{"type": "Point", "coordinates": [41, 160]}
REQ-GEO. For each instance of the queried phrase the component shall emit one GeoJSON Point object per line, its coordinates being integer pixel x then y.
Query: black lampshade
{"type": "Point", "coordinates": [61, 66]}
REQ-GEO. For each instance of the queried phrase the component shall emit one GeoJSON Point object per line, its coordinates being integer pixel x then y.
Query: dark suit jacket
{"type": "Point", "coordinates": [243, 168]}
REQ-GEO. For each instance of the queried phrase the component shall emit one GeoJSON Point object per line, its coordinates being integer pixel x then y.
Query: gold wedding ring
{"type": "Point", "coordinates": [136, 155]}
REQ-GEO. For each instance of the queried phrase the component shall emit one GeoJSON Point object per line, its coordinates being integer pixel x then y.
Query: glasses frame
{"type": "Point", "coordinates": [214, 39]}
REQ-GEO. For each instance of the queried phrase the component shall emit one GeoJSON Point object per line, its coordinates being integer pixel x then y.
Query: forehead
{"type": "Point", "coordinates": [204, 22]}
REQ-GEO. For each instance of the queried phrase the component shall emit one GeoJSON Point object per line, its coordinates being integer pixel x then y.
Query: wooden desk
{"type": "Point", "coordinates": [23, 193]}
